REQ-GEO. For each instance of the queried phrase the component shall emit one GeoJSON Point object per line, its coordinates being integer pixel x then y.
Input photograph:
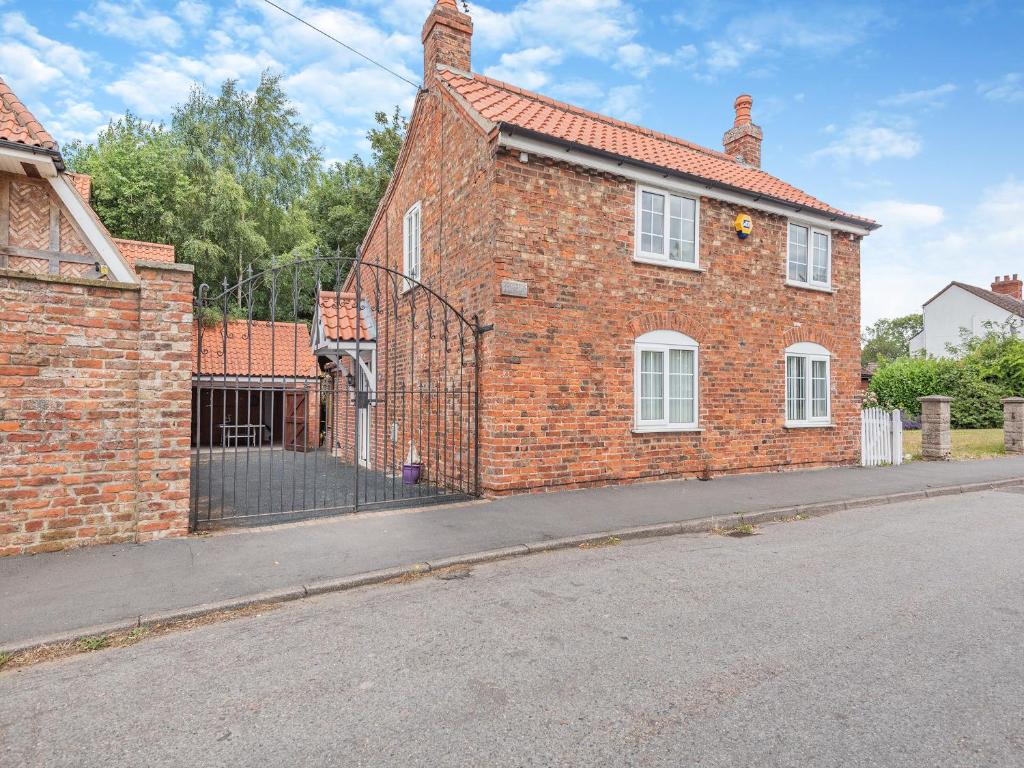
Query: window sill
{"type": "Point", "coordinates": [671, 264]}
{"type": "Point", "coordinates": [808, 425]}
{"type": "Point", "coordinates": [809, 287]}
{"type": "Point", "coordinates": [656, 430]}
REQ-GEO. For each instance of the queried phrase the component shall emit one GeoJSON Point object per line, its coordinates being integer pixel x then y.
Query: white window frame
{"type": "Point", "coordinates": [810, 353]}
{"type": "Point", "coordinates": [412, 261]}
{"type": "Point", "coordinates": [662, 258]}
{"type": "Point", "coordinates": [664, 342]}
{"type": "Point", "coordinates": [812, 230]}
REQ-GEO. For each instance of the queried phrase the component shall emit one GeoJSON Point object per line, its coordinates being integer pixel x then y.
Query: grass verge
{"type": "Point", "coordinates": [966, 443]}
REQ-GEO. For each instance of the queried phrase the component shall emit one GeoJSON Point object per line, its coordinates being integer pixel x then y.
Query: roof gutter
{"type": "Point", "coordinates": [53, 154]}
{"type": "Point", "coordinates": [573, 146]}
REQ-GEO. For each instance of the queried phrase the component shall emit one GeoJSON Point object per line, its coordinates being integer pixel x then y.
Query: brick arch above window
{"type": "Point", "coordinates": [815, 335]}
{"type": "Point", "coordinates": [668, 321]}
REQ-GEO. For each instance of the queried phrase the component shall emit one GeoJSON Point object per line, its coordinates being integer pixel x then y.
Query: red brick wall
{"type": "Point", "coordinates": [94, 409]}
{"type": "Point", "coordinates": [164, 415]}
{"type": "Point", "coordinates": [447, 168]}
{"type": "Point", "coordinates": [557, 371]}
{"type": "Point", "coordinates": [559, 394]}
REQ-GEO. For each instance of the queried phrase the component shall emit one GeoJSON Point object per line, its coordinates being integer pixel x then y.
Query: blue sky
{"type": "Point", "coordinates": [910, 114]}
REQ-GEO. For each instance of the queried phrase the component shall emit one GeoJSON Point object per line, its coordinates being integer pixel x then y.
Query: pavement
{"type": "Point", "coordinates": [882, 636]}
{"type": "Point", "coordinates": [54, 596]}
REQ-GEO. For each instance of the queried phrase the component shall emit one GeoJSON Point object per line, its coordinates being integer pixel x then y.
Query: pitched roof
{"type": "Point", "coordinates": [501, 103]}
{"type": "Point", "coordinates": [1001, 300]}
{"type": "Point", "coordinates": [341, 325]}
{"type": "Point", "coordinates": [259, 348]}
{"type": "Point", "coordinates": [18, 125]}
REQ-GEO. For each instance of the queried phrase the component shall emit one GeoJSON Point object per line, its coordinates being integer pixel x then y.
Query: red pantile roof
{"type": "Point", "coordinates": [341, 326]}
{"type": "Point", "coordinates": [259, 348]}
{"type": "Point", "coordinates": [506, 104]}
{"type": "Point", "coordinates": [18, 125]}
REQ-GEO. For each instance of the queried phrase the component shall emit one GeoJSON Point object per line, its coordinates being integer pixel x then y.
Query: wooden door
{"type": "Point", "coordinates": [296, 426]}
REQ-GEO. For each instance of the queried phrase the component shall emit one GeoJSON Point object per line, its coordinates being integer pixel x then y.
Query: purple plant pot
{"type": "Point", "coordinates": [411, 473]}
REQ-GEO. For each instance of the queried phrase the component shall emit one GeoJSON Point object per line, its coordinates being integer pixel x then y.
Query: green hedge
{"type": "Point", "coordinates": [976, 382]}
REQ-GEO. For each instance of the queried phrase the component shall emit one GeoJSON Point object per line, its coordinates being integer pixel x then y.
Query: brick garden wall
{"type": "Point", "coordinates": [94, 409]}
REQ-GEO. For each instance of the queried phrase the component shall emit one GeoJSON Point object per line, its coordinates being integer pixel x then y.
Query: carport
{"type": "Point", "coordinates": [255, 384]}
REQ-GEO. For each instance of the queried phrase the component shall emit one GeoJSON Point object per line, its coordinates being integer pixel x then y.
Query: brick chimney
{"type": "Point", "coordinates": [743, 140]}
{"type": "Point", "coordinates": [447, 37]}
{"type": "Point", "coordinates": [1009, 286]}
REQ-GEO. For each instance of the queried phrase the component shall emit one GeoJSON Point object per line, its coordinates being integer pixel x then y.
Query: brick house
{"type": "Point", "coordinates": [94, 361]}
{"type": "Point", "coordinates": [639, 331]}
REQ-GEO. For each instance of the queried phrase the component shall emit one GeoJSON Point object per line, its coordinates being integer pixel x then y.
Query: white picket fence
{"type": "Point", "coordinates": [881, 437]}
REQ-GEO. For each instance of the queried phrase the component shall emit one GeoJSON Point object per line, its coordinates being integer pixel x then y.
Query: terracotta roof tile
{"type": "Point", "coordinates": [341, 326]}
{"type": "Point", "coordinates": [259, 348]}
{"type": "Point", "coordinates": [502, 103]}
{"type": "Point", "coordinates": [18, 125]}
{"type": "Point", "coordinates": [136, 250]}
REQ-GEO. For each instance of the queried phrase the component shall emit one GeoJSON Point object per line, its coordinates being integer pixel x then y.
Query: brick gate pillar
{"type": "Point", "coordinates": [165, 399]}
{"type": "Point", "coordinates": [1013, 424]}
{"type": "Point", "coordinates": [936, 444]}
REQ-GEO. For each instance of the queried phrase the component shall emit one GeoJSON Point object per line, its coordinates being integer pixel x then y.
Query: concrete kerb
{"type": "Point", "coordinates": [269, 597]}
{"type": "Point", "coordinates": [327, 586]}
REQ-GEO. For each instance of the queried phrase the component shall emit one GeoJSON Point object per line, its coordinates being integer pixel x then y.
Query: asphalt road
{"type": "Point", "coordinates": [877, 637]}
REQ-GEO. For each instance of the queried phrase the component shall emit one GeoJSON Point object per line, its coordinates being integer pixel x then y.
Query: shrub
{"type": "Point", "coordinates": [976, 402]}
{"type": "Point", "coordinates": [899, 383]}
{"type": "Point", "coordinates": [1010, 368]}
{"type": "Point", "coordinates": [975, 394]}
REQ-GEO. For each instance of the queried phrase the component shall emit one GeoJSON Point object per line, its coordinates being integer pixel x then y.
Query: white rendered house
{"type": "Point", "coordinates": [960, 306]}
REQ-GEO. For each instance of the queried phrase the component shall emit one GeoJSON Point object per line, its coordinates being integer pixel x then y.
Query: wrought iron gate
{"type": "Point", "coordinates": [330, 385]}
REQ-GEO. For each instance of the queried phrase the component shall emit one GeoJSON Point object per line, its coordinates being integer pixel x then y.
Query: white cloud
{"type": "Point", "coordinates": [160, 81]}
{"type": "Point", "coordinates": [577, 91]}
{"type": "Point", "coordinates": [31, 61]}
{"type": "Point", "coordinates": [336, 104]}
{"type": "Point", "coordinates": [132, 20]}
{"type": "Point", "coordinates": [624, 102]}
{"type": "Point", "coordinates": [529, 68]}
{"type": "Point", "coordinates": [700, 14]}
{"type": "Point", "coordinates": [729, 54]}
{"type": "Point", "coordinates": [928, 98]}
{"type": "Point", "coordinates": [920, 248]}
{"type": "Point", "coordinates": [639, 60]}
{"type": "Point", "coordinates": [1009, 88]}
{"type": "Point", "coordinates": [153, 87]}
{"type": "Point", "coordinates": [73, 120]}
{"type": "Point", "coordinates": [872, 139]}
{"type": "Point", "coordinates": [589, 27]}
{"type": "Point", "coordinates": [300, 46]}
{"type": "Point", "coordinates": [405, 15]}
{"type": "Point", "coordinates": [50, 77]}
{"type": "Point", "coordinates": [769, 33]}
{"type": "Point", "coordinates": [192, 12]}
{"type": "Point", "coordinates": [902, 216]}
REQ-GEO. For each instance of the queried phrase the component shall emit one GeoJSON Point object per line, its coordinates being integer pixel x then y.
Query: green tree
{"type": "Point", "coordinates": [345, 197]}
{"type": "Point", "coordinates": [137, 175]}
{"type": "Point", "coordinates": [251, 162]}
{"type": "Point", "coordinates": [236, 183]}
{"type": "Point", "coordinates": [889, 339]}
